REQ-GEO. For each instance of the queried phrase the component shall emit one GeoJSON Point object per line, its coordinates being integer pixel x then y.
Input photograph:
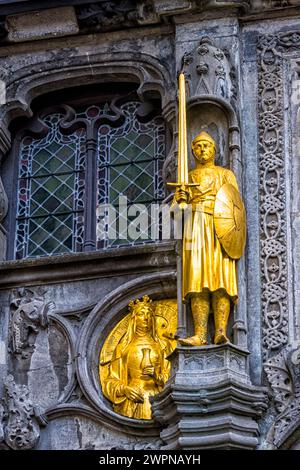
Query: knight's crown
{"type": "Point", "coordinates": [133, 304]}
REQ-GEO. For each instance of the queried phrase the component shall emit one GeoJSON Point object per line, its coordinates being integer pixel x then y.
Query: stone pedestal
{"type": "Point", "coordinates": [209, 401]}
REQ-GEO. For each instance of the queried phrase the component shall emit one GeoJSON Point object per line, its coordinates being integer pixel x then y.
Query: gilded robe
{"type": "Point", "coordinates": [125, 369]}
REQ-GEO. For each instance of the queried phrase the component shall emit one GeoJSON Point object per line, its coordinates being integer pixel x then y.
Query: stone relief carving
{"type": "Point", "coordinates": [272, 193]}
{"type": "Point", "coordinates": [106, 16]}
{"type": "Point", "coordinates": [113, 14]}
{"type": "Point", "coordinates": [279, 380]}
{"type": "Point", "coordinates": [29, 313]}
{"type": "Point", "coordinates": [270, 4]}
{"type": "Point", "coordinates": [237, 363]}
{"type": "Point", "coordinates": [21, 430]}
{"type": "Point", "coordinates": [209, 72]}
{"type": "Point", "coordinates": [193, 362]}
{"type": "Point", "coordinates": [283, 373]}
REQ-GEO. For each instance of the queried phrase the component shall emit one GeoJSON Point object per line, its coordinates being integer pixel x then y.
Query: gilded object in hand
{"type": "Point", "coordinates": [133, 360]}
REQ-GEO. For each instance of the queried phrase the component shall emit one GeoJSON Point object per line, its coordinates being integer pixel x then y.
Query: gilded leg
{"type": "Point", "coordinates": [200, 312]}
{"type": "Point", "coordinates": [221, 308]}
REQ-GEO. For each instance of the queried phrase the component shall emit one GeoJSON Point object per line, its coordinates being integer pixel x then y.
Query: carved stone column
{"type": "Point", "coordinates": [209, 402]}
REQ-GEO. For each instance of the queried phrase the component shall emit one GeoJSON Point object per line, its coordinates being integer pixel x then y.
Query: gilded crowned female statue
{"type": "Point", "coordinates": [214, 237]}
{"type": "Point", "coordinates": [134, 367]}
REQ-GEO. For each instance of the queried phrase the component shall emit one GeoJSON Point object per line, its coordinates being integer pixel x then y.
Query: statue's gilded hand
{"type": "Point", "coordinates": [181, 196]}
{"type": "Point", "coordinates": [149, 370]}
{"type": "Point", "coordinates": [133, 394]}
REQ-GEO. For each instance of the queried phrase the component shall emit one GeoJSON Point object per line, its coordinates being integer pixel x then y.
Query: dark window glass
{"type": "Point", "coordinates": [50, 211]}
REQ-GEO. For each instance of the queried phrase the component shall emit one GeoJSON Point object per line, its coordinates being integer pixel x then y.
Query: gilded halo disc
{"type": "Point", "coordinates": [230, 221]}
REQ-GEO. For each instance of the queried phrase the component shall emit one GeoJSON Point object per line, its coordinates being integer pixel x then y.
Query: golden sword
{"type": "Point", "coordinates": [182, 165]}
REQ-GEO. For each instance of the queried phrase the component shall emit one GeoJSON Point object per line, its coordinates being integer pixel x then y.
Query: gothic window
{"type": "Point", "coordinates": [50, 210]}
{"type": "Point", "coordinates": [82, 158]}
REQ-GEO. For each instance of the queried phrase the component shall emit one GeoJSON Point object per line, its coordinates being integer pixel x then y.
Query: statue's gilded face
{"type": "Point", "coordinates": [203, 150]}
{"type": "Point", "coordinates": [143, 318]}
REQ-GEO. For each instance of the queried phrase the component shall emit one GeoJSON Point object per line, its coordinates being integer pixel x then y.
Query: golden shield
{"type": "Point", "coordinates": [230, 221]}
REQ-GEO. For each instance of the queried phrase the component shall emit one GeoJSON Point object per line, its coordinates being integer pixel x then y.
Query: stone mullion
{"type": "Point", "coordinates": [90, 189]}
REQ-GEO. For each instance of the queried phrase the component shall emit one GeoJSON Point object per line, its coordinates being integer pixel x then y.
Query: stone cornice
{"type": "Point", "coordinates": [91, 265]}
{"type": "Point", "coordinates": [81, 17]}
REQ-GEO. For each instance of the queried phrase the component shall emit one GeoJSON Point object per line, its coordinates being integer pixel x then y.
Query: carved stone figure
{"type": "Point", "coordinates": [133, 362]}
{"type": "Point", "coordinates": [30, 311]}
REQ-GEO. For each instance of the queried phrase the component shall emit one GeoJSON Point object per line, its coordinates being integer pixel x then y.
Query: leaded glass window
{"type": "Point", "coordinates": [130, 160]}
{"type": "Point", "coordinates": [50, 210]}
{"type": "Point", "coordinates": [85, 157]}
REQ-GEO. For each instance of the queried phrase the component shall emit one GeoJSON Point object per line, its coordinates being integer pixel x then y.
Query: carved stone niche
{"type": "Point", "coordinates": [211, 118]}
{"type": "Point", "coordinates": [208, 115]}
{"type": "Point", "coordinates": [212, 100]}
{"type": "Point", "coordinates": [103, 318]}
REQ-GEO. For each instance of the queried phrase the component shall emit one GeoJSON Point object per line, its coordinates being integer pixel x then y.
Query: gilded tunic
{"type": "Point", "coordinates": [205, 263]}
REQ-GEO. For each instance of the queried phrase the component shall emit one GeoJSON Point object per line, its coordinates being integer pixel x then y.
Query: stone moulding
{"type": "Point", "coordinates": [68, 70]}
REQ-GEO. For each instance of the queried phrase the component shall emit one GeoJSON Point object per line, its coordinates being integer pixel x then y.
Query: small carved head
{"type": "Point", "coordinates": [204, 148]}
{"type": "Point", "coordinates": [202, 68]}
{"type": "Point", "coordinates": [142, 312]}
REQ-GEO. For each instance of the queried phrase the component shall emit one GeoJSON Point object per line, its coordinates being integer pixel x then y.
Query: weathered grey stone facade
{"type": "Point", "coordinates": [242, 62]}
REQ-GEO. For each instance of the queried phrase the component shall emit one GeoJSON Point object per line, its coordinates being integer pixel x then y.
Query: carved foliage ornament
{"type": "Point", "coordinates": [283, 372]}
{"type": "Point", "coordinates": [19, 427]}
{"type": "Point", "coordinates": [272, 189]}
